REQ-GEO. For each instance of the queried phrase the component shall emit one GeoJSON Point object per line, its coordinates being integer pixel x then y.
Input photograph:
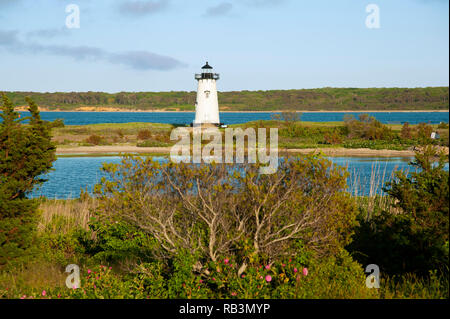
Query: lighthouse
{"type": "Point", "coordinates": [207, 104]}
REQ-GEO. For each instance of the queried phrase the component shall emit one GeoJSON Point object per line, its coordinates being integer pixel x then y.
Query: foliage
{"type": "Point", "coordinates": [429, 98]}
{"type": "Point", "coordinates": [413, 236]}
{"type": "Point", "coordinates": [94, 139]}
{"type": "Point", "coordinates": [26, 152]}
{"type": "Point", "coordinates": [367, 127]}
{"type": "Point", "coordinates": [144, 134]}
{"type": "Point", "coordinates": [214, 210]}
{"type": "Point", "coordinates": [56, 123]}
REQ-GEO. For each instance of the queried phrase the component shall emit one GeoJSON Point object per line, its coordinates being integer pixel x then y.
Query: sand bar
{"type": "Point", "coordinates": [92, 150]}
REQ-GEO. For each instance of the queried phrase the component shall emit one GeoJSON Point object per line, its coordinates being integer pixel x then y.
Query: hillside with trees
{"type": "Point", "coordinates": [328, 99]}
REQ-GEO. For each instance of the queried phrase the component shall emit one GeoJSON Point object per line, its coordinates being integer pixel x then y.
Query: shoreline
{"type": "Point", "coordinates": [333, 152]}
{"type": "Point", "coordinates": [114, 110]}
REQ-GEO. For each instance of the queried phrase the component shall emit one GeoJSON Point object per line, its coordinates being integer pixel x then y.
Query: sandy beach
{"type": "Point", "coordinates": [120, 110]}
{"type": "Point", "coordinates": [93, 150]}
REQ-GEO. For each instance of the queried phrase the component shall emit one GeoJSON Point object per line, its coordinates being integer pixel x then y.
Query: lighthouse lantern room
{"type": "Point", "coordinates": [207, 104]}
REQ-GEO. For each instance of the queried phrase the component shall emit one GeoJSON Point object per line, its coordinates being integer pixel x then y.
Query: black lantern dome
{"type": "Point", "coordinates": [207, 66]}
{"type": "Point", "coordinates": [207, 74]}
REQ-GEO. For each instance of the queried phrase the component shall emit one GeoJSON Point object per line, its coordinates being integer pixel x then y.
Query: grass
{"type": "Point", "coordinates": [291, 135]}
{"type": "Point", "coordinates": [62, 216]}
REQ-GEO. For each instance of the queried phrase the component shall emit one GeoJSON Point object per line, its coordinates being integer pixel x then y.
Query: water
{"type": "Point", "coordinates": [71, 174]}
{"type": "Point", "coordinates": [83, 118]}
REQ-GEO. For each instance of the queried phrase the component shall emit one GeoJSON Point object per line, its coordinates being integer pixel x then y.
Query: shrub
{"type": "Point", "coordinates": [144, 135]}
{"type": "Point", "coordinates": [415, 239]}
{"type": "Point", "coordinates": [443, 125]}
{"type": "Point", "coordinates": [424, 133]}
{"type": "Point", "coordinates": [333, 138]}
{"type": "Point", "coordinates": [212, 211]}
{"type": "Point", "coordinates": [367, 127]}
{"type": "Point", "coordinates": [94, 139]}
{"type": "Point", "coordinates": [56, 123]}
{"type": "Point", "coordinates": [406, 132]}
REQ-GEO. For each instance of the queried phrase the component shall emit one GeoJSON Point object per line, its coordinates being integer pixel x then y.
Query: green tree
{"type": "Point", "coordinates": [26, 152]}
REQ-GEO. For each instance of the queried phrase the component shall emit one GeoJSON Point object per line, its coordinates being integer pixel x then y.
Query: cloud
{"type": "Point", "coordinates": [48, 33]}
{"type": "Point", "coordinates": [141, 8]}
{"type": "Point", "coordinates": [219, 10]}
{"type": "Point", "coordinates": [8, 38]}
{"type": "Point", "coordinates": [138, 60]}
{"type": "Point", "coordinates": [263, 3]}
{"type": "Point", "coordinates": [6, 3]}
{"type": "Point", "coordinates": [143, 60]}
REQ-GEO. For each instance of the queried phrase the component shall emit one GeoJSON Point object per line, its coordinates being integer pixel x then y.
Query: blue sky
{"type": "Point", "coordinates": [158, 45]}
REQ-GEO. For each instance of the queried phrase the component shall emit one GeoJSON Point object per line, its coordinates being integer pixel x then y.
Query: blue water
{"type": "Point", "coordinates": [83, 118]}
{"type": "Point", "coordinates": [73, 173]}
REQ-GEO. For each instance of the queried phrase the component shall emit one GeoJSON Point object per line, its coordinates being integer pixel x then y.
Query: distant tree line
{"type": "Point", "coordinates": [435, 98]}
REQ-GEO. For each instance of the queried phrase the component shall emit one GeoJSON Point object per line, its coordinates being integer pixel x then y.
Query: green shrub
{"type": "Point", "coordinates": [116, 242]}
{"type": "Point", "coordinates": [56, 123]}
{"type": "Point", "coordinates": [413, 236]}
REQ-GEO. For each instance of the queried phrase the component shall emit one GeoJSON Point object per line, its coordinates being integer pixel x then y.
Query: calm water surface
{"type": "Point", "coordinates": [83, 118]}
{"type": "Point", "coordinates": [74, 173]}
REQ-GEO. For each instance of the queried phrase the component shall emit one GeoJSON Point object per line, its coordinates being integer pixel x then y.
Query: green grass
{"type": "Point", "coordinates": [296, 135]}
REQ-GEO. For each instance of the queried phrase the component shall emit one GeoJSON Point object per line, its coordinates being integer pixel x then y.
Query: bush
{"type": "Point", "coordinates": [56, 123]}
{"type": "Point", "coordinates": [413, 236]}
{"type": "Point", "coordinates": [211, 211]}
{"type": "Point", "coordinates": [144, 135]}
{"type": "Point", "coordinates": [94, 139]}
{"type": "Point", "coordinates": [367, 127]}
{"type": "Point", "coordinates": [443, 126]}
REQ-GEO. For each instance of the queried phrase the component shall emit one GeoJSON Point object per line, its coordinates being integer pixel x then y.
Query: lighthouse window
{"type": "Point", "coordinates": [207, 94]}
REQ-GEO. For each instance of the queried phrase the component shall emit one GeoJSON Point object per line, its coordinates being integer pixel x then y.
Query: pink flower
{"type": "Point", "coordinates": [295, 269]}
{"type": "Point", "coordinates": [283, 265]}
{"type": "Point", "coordinates": [23, 297]}
{"type": "Point", "coordinates": [44, 292]}
{"type": "Point", "coordinates": [89, 271]}
{"type": "Point", "coordinates": [242, 276]}
{"type": "Point", "coordinates": [95, 286]}
{"type": "Point", "coordinates": [268, 267]}
{"type": "Point", "coordinates": [305, 271]}
{"type": "Point", "coordinates": [214, 279]}
{"type": "Point", "coordinates": [234, 293]}
{"type": "Point", "coordinates": [110, 268]}
{"type": "Point", "coordinates": [201, 281]}
{"type": "Point", "coordinates": [260, 277]}
{"type": "Point", "coordinates": [268, 278]}
{"type": "Point", "coordinates": [226, 261]}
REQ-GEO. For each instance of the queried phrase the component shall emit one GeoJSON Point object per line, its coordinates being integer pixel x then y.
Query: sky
{"type": "Point", "coordinates": [158, 45]}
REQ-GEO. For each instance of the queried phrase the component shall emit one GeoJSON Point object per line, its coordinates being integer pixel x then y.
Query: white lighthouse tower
{"type": "Point", "coordinates": [207, 105]}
